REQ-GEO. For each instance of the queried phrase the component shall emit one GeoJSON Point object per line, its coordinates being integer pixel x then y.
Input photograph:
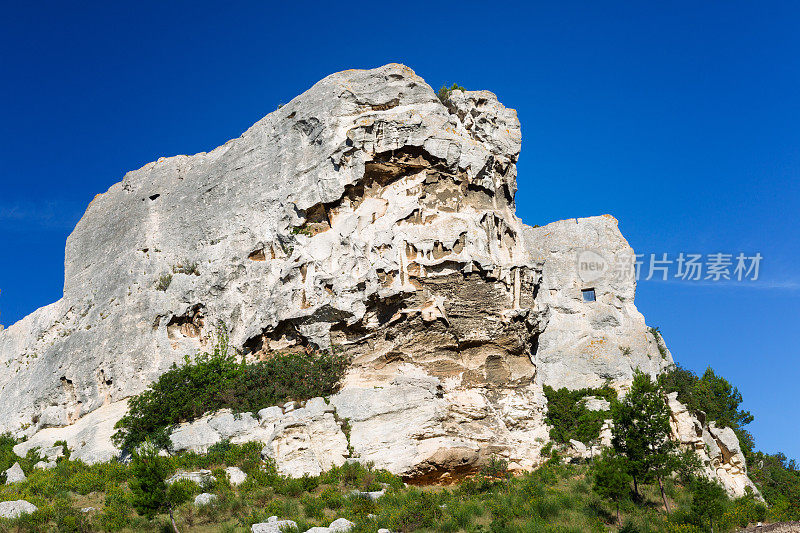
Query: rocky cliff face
{"type": "Point", "coordinates": [364, 214]}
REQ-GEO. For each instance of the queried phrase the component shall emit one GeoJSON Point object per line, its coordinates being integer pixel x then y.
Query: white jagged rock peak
{"type": "Point", "coordinates": [364, 214]}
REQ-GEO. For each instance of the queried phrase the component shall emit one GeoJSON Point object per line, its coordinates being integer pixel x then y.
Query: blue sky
{"type": "Point", "coordinates": [681, 119]}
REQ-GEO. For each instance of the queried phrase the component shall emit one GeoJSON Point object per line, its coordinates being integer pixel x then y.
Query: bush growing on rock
{"type": "Point", "coordinates": [163, 282]}
{"type": "Point", "coordinates": [221, 379]}
{"type": "Point", "coordinates": [714, 396]}
{"type": "Point", "coordinates": [496, 468]}
{"type": "Point", "coordinates": [444, 92]}
{"type": "Point", "coordinates": [568, 416]}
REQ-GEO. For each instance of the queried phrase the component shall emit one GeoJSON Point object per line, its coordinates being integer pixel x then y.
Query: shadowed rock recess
{"type": "Point", "coordinates": [367, 215]}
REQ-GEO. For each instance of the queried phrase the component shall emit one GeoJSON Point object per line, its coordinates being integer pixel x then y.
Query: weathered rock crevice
{"type": "Point", "coordinates": [188, 325]}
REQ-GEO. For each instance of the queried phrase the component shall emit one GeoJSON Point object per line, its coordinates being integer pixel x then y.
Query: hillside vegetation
{"type": "Point", "coordinates": [223, 379]}
{"type": "Point", "coordinates": [556, 497]}
{"type": "Point", "coordinates": [643, 483]}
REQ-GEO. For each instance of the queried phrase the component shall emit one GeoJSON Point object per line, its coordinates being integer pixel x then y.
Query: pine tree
{"type": "Point", "coordinates": [641, 433]}
{"type": "Point", "coordinates": [708, 500]}
{"type": "Point", "coordinates": [611, 478]}
{"type": "Point", "coordinates": [151, 495]}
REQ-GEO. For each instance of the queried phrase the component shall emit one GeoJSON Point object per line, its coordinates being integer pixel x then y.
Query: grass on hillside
{"type": "Point", "coordinates": [556, 497]}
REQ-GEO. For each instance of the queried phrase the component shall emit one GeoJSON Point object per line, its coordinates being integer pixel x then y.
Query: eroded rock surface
{"type": "Point", "coordinates": [88, 438]}
{"type": "Point", "coordinates": [364, 214]}
{"type": "Point", "coordinates": [718, 448]}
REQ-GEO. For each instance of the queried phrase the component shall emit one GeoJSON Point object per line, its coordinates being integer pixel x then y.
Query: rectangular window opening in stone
{"type": "Point", "coordinates": [588, 295]}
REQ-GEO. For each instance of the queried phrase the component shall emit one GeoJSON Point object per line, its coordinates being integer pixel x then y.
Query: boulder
{"type": "Point", "coordinates": [197, 436]}
{"type": "Point", "coordinates": [16, 508]}
{"type": "Point", "coordinates": [204, 499]}
{"type": "Point", "coordinates": [213, 428]}
{"type": "Point", "coordinates": [15, 474]}
{"type": "Point", "coordinates": [370, 495]}
{"type": "Point", "coordinates": [272, 525]}
{"type": "Point", "coordinates": [340, 525]}
{"type": "Point", "coordinates": [594, 403]}
{"type": "Point", "coordinates": [235, 475]}
{"type": "Point", "coordinates": [201, 477]}
{"type": "Point", "coordinates": [307, 443]}
{"type": "Point", "coordinates": [270, 413]}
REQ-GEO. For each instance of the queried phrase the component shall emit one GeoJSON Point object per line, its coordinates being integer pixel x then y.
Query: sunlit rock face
{"type": "Point", "coordinates": [364, 215]}
{"type": "Point", "coordinates": [718, 448]}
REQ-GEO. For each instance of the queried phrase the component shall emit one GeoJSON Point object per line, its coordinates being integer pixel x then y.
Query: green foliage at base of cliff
{"type": "Point", "coordinates": [568, 416]}
{"type": "Point", "coordinates": [8, 457]}
{"type": "Point", "coordinates": [553, 498]}
{"type": "Point", "coordinates": [221, 379]}
{"type": "Point", "coordinates": [776, 477]}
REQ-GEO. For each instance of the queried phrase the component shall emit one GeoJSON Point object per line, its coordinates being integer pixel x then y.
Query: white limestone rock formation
{"type": "Point", "coordinates": [718, 448]}
{"type": "Point", "coordinates": [88, 438]}
{"type": "Point", "coordinates": [364, 214]}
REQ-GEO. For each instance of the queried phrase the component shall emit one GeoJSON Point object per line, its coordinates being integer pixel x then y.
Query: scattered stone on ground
{"type": "Point", "coordinates": [272, 525]}
{"type": "Point", "coordinates": [15, 474]}
{"type": "Point", "coordinates": [16, 508]}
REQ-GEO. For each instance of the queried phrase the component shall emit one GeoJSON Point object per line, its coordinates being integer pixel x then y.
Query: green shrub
{"type": "Point", "coordinates": [118, 511]}
{"type": "Point", "coordinates": [313, 507]}
{"type": "Point", "coordinates": [87, 481]}
{"type": "Point", "coordinates": [186, 267]}
{"type": "Point", "coordinates": [778, 479]}
{"type": "Point", "coordinates": [69, 519]}
{"type": "Point", "coordinates": [8, 457]}
{"type": "Point", "coordinates": [445, 91]}
{"type": "Point", "coordinates": [708, 501]}
{"type": "Point", "coordinates": [496, 468]}
{"type": "Point", "coordinates": [413, 510]}
{"type": "Point", "coordinates": [163, 283]}
{"type": "Point", "coordinates": [568, 416]}
{"type": "Point", "coordinates": [744, 511]}
{"type": "Point", "coordinates": [332, 498]}
{"type": "Point", "coordinates": [611, 479]}
{"type": "Point", "coordinates": [662, 349]}
{"type": "Point", "coordinates": [219, 380]}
